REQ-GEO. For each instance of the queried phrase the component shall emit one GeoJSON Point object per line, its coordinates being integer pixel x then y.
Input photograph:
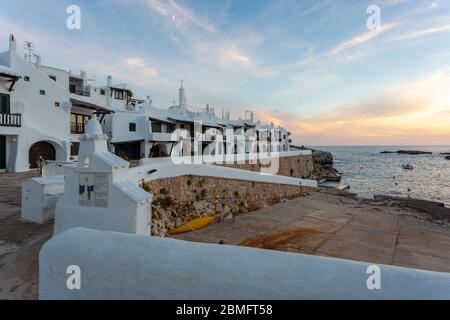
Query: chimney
{"type": "Point", "coordinates": [83, 76]}
{"type": "Point", "coordinates": [108, 91]}
{"type": "Point", "coordinates": [38, 61]}
{"type": "Point", "coordinates": [12, 43]}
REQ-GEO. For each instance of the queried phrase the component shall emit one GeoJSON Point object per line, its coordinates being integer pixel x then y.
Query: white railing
{"type": "Point", "coordinates": [10, 119]}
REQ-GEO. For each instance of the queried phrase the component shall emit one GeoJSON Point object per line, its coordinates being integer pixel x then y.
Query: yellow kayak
{"type": "Point", "coordinates": [193, 225]}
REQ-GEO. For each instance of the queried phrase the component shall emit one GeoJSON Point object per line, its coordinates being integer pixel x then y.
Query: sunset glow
{"type": "Point", "coordinates": [311, 66]}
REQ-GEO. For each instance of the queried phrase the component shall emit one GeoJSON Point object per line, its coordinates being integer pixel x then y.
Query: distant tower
{"type": "Point", "coordinates": [29, 47]}
{"type": "Point", "coordinates": [12, 43]}
{"type": "Point", "coordinates": [150, 101]}
{"type": "Point", "coordinates": [182, 101]}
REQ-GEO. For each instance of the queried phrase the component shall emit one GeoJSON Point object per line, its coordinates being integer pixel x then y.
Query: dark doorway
{"type": "Point", "coordinates": [2, 153]}
{"type": "Point", "coordinates": [155, 152]}
{"type": "Point", "coordinates": [40, 150]}
{"type": "Point", "coordinates": [74, 148]}
{"type": "Point", "coordinates": [128, 151]}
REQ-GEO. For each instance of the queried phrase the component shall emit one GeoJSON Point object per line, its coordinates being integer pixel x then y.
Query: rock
{"type": "Point", "coordinates": [413, 152]}
{"type": "Point", "coordinates": [323, 167]}
{"type": "Point", "coordinates": [409, 152]}
{"type": "Point", "coordinates": [447, 157]}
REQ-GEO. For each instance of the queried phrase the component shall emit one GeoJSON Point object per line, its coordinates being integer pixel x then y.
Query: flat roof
{"type": "Point", "coordinates": [90, 106]}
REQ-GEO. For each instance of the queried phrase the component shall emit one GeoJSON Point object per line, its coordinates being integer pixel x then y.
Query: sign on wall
{"type": "Point", "coordinates": [94, 190]}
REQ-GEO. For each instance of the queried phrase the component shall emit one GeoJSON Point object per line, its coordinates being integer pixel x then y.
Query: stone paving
{"type": "Point", "coordinates": [20, 241]}
{"type": "Point", "coordinates": [338, 226]}
{"type": "Point", "coordinates": [320, 223]}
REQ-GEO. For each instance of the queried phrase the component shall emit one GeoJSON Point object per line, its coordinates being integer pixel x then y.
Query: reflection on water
{"type": "Point", "coordinates": [368, 172]}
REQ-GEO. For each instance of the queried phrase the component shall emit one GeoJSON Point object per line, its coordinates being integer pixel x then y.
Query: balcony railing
{"type": "Point", "coordinates": [10, 120]}
{"type": "Point", "coordinates": [77, 128]}
{"type": "Point", "coordinates": [160, 136]}
{"type": "Point", "coordinates": [80, 93]}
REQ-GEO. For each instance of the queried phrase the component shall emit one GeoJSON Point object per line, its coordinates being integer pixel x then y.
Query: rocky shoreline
{"type": "Point", "coordinates": [323, 166]}
{"type": "Point", "coordinates": [425, 210]}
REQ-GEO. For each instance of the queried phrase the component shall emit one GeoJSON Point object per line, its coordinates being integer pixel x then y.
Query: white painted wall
{"type": "Point", "coordinates": [126, 207]}
{"type": "Point", "coordinates": [41, 119]}
{"type": "Point", "coordinates": [198, 166]}
{"type": "Point", "coordinates": [39, 197]}
{"type": "Point", "coordinates": [166, 169]}
{"type": "Point", "coordinates": [124, 266]}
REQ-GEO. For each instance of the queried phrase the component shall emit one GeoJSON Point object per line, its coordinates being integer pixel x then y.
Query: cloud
{"type": "Point", "coordinates": [178, 14]}
{"type": "Point", "coordinates": [435, 5]}
{"type": "Point", "coordinates": [137, 64]}
{"type": "Point", "coordinates": [419, 109]}
{"type": "Point", "coordinates": [421, 33]}
{"type": "Point", "coordinates": [363, 38]}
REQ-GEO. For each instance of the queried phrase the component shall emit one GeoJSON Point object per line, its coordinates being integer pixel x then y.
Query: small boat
{"type": "Point", "coordinates": [193, 225]}
{"type": "Point", "coordinates": [408, 167]}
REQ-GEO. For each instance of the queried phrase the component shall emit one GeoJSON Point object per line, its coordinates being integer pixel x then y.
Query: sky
{"type": "Point", "coordinates": [313, 67]}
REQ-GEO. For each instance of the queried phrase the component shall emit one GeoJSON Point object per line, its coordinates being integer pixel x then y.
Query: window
{"type": "Point", "coordinates": [4, 103]}
{"type": "Point", "coordinates": [72, 88]}
{"type": "Point", "coordinates": [156, 127]}
{"type": "Point", "coordinates": [78, 123]}
{"type": "Point", "coordinates": [119, 94]}
{"type": "Point", "coordinates": [102, 92]}
{"type": "Point", "coordinates": [182, 126]}
{"type": "Point", "coordinates": [52, 77]}
{"type": "Point", "coordinates": [57, 104]}
{"type": "Point", "coordinates": [26, 78]}
{"type": "Point", "coordinates": [132, 127]}
{"type": "Point", "coordinates": [42, 92]}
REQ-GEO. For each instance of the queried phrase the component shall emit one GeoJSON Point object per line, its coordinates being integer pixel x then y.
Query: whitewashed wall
{"type": "Point", "coordinates": [41, 119]}
{"type": "Point", "coordinates": [123, 266]}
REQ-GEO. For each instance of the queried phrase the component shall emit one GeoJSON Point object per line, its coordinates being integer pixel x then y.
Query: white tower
{"type": "Point", "coordinates": [182, 101]}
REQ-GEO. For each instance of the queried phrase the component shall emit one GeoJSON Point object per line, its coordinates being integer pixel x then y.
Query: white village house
{"type": "Point", "coordinates": [43, 112]}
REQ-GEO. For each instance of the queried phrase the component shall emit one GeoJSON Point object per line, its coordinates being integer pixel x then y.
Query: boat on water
{"type": "Point", "coordinates": [192, 225]}
{"type": "Point", "coordinates": [408, 167]}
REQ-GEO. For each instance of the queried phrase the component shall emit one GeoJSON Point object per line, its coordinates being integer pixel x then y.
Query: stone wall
{"type": "Point", "coordinates": [301, 166]}
{"type": "Point", "coordinates": [184, 198]}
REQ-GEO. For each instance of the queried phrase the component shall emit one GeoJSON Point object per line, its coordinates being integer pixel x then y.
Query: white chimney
{"type": "Point", "coordinates": [38, 61]}
{"type": "Point", "coordinates": [12, 43]}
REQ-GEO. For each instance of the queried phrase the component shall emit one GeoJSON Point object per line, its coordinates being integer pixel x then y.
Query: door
{"type": "Point", "coordinates": [2, 153]}
{"type": "Point", "coordinates": [128, 151]}
{"type": "Point", "coordinates": [40, 150]}
{"type": "Point", "coordinates": [4, 103]}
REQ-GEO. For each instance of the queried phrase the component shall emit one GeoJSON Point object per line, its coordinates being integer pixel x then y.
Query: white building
{"type": "Point", "coordinates": [34, 112]}
{"type": "Point", "coordinates": [43, 112]}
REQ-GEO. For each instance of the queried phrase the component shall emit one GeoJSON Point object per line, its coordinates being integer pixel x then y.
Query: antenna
{"type": "Point", "coordinates": [29, 47]}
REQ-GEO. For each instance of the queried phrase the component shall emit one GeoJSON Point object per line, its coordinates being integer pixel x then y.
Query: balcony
{"type": "Point", "coordinates": [77, 128]}
{"type": "Point", "coordinates": [10, 120]}
{"type": "Point", "coordinates": [80, 93]}
{"type": "Point", "coordinates": [163, 137]}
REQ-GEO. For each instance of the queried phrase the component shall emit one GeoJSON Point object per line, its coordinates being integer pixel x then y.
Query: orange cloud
{"type": "Point", "coordinates": [417, 112]}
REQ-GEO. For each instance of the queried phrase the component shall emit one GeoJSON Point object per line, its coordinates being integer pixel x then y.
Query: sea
{"type": "Point", "coordinates": [369, 172]}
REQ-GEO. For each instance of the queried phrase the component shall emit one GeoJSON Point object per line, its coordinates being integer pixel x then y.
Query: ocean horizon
{"type": "Point", "coordinates": [368, 172]}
